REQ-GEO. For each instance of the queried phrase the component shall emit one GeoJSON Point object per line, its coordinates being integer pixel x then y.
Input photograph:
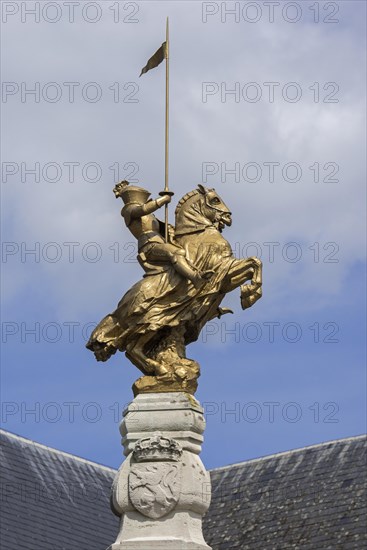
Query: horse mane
{"type": "Point", "coordinates": [185, 198]}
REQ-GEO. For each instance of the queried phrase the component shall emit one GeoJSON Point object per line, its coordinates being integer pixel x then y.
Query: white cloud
{"type": "Point", "coordinates": [105, 132]}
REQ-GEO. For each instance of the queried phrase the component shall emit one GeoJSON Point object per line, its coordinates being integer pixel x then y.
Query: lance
{"type": "Point", "coordinates": [154, 61]}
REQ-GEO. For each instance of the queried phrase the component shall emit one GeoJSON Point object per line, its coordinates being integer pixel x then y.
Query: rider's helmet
{"type": "Point", "coordinates": [131, 193]}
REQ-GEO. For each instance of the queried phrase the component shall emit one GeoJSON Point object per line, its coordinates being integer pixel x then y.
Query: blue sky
{"type": "Point", "coordinates": [263, 391]}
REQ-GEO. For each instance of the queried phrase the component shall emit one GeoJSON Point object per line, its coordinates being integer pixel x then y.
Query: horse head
{"type": "Point", "coordinates": [215, 209]}
{"type": "Point", "coordinates": [200, 209]}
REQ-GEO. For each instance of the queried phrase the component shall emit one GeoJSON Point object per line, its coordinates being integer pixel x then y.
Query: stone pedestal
{"type": "Point", "coordinates": [162, 489]}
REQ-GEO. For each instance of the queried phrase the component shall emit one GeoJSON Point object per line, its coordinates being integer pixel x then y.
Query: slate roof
{"type": "Point", "coordinates": [311, 498]}
{"type": "Point", "coordinates": [52, 500]}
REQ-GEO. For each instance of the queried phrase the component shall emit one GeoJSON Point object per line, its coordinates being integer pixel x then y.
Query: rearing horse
{"type": "Point", "coordinates": [163, 312]}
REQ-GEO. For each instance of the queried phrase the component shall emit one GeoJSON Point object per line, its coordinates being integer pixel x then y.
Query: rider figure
{"type": "Point", "coordinates": [139, 218]}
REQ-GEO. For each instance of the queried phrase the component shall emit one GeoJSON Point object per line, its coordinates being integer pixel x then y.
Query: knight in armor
{"type": "Point", "coordinates": [153, 250]}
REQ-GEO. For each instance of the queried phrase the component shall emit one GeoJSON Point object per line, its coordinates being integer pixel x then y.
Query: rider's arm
{"type": "Point", "coordinates": [137, 211]}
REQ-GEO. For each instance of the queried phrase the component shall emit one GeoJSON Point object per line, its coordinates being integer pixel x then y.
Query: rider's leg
{"type": "Point", "coordinates": [182, 267]}
{"type": "Point", "coordinates": [176, 256]}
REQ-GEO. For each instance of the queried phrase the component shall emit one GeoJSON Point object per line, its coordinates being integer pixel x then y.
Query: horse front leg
{"type": "Point", "coordinates": [252, 292]}
{"type": "Point", "coordinates": [242, 271]}
{"type": "Point", "coordinates": [249, 269]}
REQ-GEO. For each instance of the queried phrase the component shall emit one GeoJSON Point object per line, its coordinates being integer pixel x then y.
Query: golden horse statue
{"type": "Point", "coordinates": [183, 286]}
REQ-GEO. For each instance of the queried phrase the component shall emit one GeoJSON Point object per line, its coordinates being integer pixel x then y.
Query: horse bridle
{"type": "Point", "coordinates": [220, 212]}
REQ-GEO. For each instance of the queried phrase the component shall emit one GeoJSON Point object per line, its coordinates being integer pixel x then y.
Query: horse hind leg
{"type": "Point", "coordinates": [135, 359]}
{"type": "Point", "coordinates": [135, 353]}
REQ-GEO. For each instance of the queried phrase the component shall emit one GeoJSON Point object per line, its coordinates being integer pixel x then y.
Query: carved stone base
{"type": "Point", "coordinates": [162, 489]}
{"type": "Point", "coordinates": [186, 525]}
